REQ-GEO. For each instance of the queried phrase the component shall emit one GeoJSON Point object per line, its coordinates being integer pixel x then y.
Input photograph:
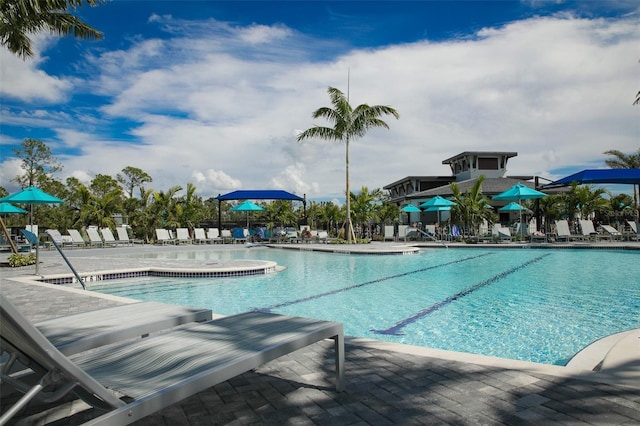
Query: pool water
{"type": "Point", "coordinates": [531, 304]}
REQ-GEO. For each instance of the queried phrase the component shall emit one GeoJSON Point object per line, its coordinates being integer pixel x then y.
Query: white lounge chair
{"type": "Point", "coordinates": [182, 236]}
{"type": "Point", "coordinates": [633, 234]}
{"type": "Point", "coordinates": [323, 237]}
{"type": "Point", "coordinates": [94, 238]}
{"type": "Point", "coordinates": [123, 236]}
{"type": "Point", "coordinates": [501, 233]}
{"type": "Point", "coordinates": [564, 233]}
{"type": "Point", "coordinates": [200, 236]}
{"type": "Point", "coordinates": [136, 378]}
{"type": "Point", "coordinates": [614, 234]}
{"type": "Point", "coordinates": [389, 233]}
{"type": "Point", "coordinates": [589, 231]}
{"type": "Point", "coordinates": [226, 236]}
{"type": "Point", "coordinates": [88, 330]}
{"type": "Point", "coordinates": [76, 238]}
{"type": "Point", "coordinates": [107, 237]}
{"type": "Point", "coordinates": [56, 237]}
{"type": "Point", "coordinates": [163, 237]}
{"type": "Point", "coordinates": [402, 232]}
{"type": "Point", "coordinates": [214, 235]}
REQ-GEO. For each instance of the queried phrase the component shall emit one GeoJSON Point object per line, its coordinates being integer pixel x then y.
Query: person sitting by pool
{"type": "Point", "coordinates": [306, 233]}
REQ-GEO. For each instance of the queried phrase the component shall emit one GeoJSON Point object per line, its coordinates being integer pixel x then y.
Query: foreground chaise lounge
{"type": "Point", "coordinates": [137, 378]}
{"type": "Point", "coordinates": [76, 333]}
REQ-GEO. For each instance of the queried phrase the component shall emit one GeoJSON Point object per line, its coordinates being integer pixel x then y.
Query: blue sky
{"type": "Point", "coordinates": [214, 93]}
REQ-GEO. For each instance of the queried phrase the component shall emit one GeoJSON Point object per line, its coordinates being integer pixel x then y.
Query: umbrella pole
{"type": "Point", "coordinates": [6, 233]}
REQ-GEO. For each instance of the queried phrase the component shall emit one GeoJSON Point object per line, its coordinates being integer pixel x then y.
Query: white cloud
{"type": "Point", "coordinates": [24, 81]}
{"type": "Point", "coordinates": [217, 180]}
{"type": "Point", "coordinates": [223, 108]}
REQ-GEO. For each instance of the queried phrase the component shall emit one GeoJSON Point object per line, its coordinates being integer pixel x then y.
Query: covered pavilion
{"type": "Point", "coordinates": [267, 194]}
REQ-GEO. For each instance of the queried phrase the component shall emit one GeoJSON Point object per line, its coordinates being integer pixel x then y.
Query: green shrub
{"type": "Point", "coordinates": [17, 259]}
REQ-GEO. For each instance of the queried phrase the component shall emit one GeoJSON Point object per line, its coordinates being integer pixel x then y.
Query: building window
{"type": "Point", "coordinates": [487, 164]}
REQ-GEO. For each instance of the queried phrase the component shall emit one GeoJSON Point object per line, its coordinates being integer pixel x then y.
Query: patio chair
{"type": "Point", "coordinates": [389, 233]}
{"type": "Point", "coordinates": [136, 378]}
{"type": "Point", "coordinates": [502, 233]}
{"type": "Point", "coordinates": [199, 236]}
{"type": "Point", "coordinates": [239, 235]}
{"type": "Point", "coordinates": [76, 238]}
{"type": "Point", "coordinates": [94, 238]}
{"type": "Point", "coordinates": [213, 234]}
{"type": "Point", "coordinates": [163, 237]}
{"type": "Point", "coordinates": [226, 236]}
{"type": "Point", "coordinates": [614, 234]}
{"type": "Point", "coordinates": [182, 236]}
{"type": "Point", "coordinates": [123, 236]}
{"type": "Point", "coordinates": [76, 333]}
{"type": "Point", "coordinates": [633, 234]}
{"type": "Point", "coordinates": [323, 237]}
{"type": "Point", "coordinates": [107, 237]}
{"type": "Point", "coordinates": [402, 232]}
{"type": "Point", "coordinates": [564, 233]}
{"type": "Point", "coordinates": [589, 231]}
{"type": "Point", "coordinates": [56, 236]}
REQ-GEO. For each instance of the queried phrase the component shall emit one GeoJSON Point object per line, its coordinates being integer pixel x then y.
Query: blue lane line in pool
{"type": "Point", "coordinates": [397, 329]}
{"type": "Point", "coordinates": [340, 290]}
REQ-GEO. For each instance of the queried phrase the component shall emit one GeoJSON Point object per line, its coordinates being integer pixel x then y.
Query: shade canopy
{"type": "Point", "coordinates": [31, 195]}
{"type": "Point", "coordinates": [275, 194]}
{"type": "Point", "coordinates": [410, 208]}
{"type": "Point", "coordinates": [512, 207]}
{"type": "Point", "coordinates": [519, 192]}
{"type": "Point", "coordinates": [437, 201]}
{"type": "Point", "coordinates": [7, 208]}
{"type": "Point", "coordinates": [613, 176]}
{"type": "Point", "coordinates": [247, 206]}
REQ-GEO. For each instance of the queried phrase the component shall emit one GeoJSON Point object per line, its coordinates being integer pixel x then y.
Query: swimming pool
{"type": "Point", "coordinates": [530, 304]}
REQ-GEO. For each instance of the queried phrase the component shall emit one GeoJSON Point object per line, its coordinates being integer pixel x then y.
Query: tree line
{"type": "Point", "coordinates": [127, 196]}
{"type": "Point", "coordinates": [106, 200]}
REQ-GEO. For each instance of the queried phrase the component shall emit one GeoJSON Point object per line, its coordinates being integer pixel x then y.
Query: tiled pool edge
{"type": "Point", "coordinates": [266, 267]}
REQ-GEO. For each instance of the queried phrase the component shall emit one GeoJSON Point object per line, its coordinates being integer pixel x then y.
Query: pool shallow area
{"type": "Point", "coordinates": [531, 304]}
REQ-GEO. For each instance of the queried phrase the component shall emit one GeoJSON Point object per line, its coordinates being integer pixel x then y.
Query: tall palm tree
{"type": "Point", "coordinates": [625, 161]}
{"type": "Point", "coordinates": [348, 123]}
{"type": "Point", "coordinates": [20, 18]}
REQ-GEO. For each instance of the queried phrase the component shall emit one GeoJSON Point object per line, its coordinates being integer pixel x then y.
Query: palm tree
{"type": "Point", "coordinates": [625, 161]}
{"type": "Point", "coordinates": [471, 208]}
{"type": "Point", "coordinates": [348, 123]}
{"type": "Point", "coordinates": [20, 18]}
{"type": "Point", "coordinates": [364, 208]}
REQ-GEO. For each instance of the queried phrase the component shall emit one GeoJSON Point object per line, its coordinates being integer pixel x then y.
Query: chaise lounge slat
{"type": "Point", "coordinates": [136, 378]}
{"type": "Point", "coordinates": [88, 330]}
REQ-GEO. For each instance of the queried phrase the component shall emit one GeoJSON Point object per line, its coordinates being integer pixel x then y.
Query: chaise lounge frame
{"type": "Point", "coordinates": [155, 372]}
{"type": "Point", "coordinates": [76, 333]}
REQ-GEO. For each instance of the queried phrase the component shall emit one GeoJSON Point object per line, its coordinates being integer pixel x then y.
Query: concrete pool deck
{"type": "Point", "coordinates": [386, 383]}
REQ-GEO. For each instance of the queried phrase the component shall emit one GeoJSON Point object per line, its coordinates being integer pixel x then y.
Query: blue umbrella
{"type": "Point", "coordinates": [247, 206]}
{"type": "Point", "coordinates": [517, 193]}
{"type": "Point", "coordinates": [437, 201]}
{"type": "Point", "coordinates": [438, 204]}
{"type": "Point", "coordinates": [511, 207]}
{"type": "Point", "coordinates": [31, 195]}
{"type": "Point", "coordinates": [7, 208]}
{"type": "Point", "coordinates": [410, 208]}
